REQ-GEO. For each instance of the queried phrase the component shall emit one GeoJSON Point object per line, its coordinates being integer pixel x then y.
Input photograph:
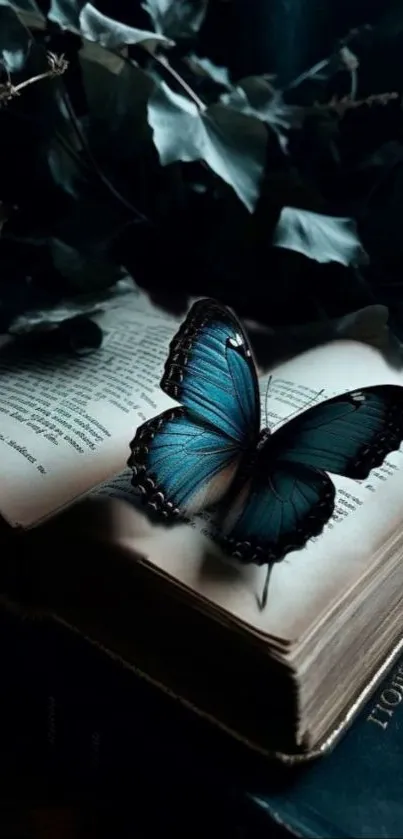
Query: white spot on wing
{"type": "Point", "coordinates": [236, 341]}
{"type": "Point", "coordinates": [358, 397]}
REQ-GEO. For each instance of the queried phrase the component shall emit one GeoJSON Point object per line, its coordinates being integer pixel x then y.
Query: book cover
{"type": "Point", "coordinates": [71, 713]}
{"type": "Point", "coordinates": [357, 790]}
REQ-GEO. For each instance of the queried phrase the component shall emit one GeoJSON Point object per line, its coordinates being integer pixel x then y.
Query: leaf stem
{"type": "Point", "coordinates": [354, 84]}
{"type": "Point", "coordinates": [192, 95]}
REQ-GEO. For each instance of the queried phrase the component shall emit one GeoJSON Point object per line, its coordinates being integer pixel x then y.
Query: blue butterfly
{"type": "Point", "coordinates": [271, 491]}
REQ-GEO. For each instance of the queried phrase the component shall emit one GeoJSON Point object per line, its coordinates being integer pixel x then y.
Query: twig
{"type": "Point", "coordinates": [57, 66]}
{"type": "Point", "coordinates": [346, 103]}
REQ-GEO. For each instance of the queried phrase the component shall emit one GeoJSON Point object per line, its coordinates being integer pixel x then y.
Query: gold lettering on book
{"type": "Point", "coordinates": [390, 698]}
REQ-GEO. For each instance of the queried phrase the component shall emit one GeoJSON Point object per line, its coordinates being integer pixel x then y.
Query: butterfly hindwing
{"type": "Point", "coordinates": [288, 497]}
{"type": "Point", "coordinates": [181, 465]}
{"type": "Point", "coordinates": [276, 512]}
{"type": "Point", "coordinates": [211, 372]}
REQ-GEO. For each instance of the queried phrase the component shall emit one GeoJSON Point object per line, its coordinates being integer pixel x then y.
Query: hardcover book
{"type": "Point", "coordinates": [356, 790]}
{"type": "Point", "coordinates": [72, 718]}
{"type": "Point", "coordinates": [286, 679]}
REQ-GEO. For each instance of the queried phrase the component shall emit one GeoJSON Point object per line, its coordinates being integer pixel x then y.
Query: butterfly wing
{"type": "Point", "coordinates": [181, 465]}
{"type": "Point", "coordinates": [289, 498]}
{"type": "Point", "coordinates": [210, 370]}
{"type": "Point", "coordinates": [348, 435]}
{"type": "Point", "coordinates": [277, 512]}
{"type": "Point", "coordinates": [185, 459]}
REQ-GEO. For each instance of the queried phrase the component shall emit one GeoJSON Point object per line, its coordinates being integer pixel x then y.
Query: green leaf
{"type": "Point", "coordinates": [15, 40]}
{"type": "Point", "coordinates": [232, 144]}
{"type": "Point", "coordinates": [113, 35]}
{"type": "Point", "coordinates": [177, 18]}
{"type": "Point", "coordinates": [256, 97]}
{"type": "Point", "coordinates": [205, 67]}
{"type": "Point", "coordinates": [319, 237]}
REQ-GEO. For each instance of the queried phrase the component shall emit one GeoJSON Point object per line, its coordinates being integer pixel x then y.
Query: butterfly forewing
{"type": "Point", "coordinates": [348, 435]}
{"type": "Point", "coordinates": [211, 372]}
{"type": "Point", "coordinates": [185, 460]}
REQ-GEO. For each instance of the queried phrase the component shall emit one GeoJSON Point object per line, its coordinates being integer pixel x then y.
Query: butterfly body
{"type": "Point", "coordinates": [271, 491]}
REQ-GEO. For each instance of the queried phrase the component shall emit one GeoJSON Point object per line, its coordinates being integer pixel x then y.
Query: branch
{"type": "Point", "coordinates": [341, 106]}
{"type": "Point", "coordinates": [57, 66]}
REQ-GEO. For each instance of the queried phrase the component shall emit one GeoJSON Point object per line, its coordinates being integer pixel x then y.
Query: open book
{"type": "Point", "coordinates": [282, 678]}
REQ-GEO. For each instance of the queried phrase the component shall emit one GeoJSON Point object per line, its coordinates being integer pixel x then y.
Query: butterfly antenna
{"type": "Point", "coordinates": [266, 400]}
{"type": "Point", "coordinates": [304, 407]}
{"type": "Point", "coordinates": [266, 587]}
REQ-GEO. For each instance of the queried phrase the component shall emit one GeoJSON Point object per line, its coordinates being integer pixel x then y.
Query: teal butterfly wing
{"type": "Point", "coordinates": [211, 371]}
{"type": "Point", "coordinates": [348, 435]}
{"type": "Point", "coordinates": [287, 497]}
{"type": "Point", "coordinates": [186, 459]}
{"type": "Point", "coordinates": [180, 465]}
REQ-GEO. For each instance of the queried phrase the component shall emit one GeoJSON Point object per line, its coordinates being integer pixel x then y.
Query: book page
{"type": "Point", "coordinates": [66, 422]}
{"type": "Point", "coordinates": [306, 583]}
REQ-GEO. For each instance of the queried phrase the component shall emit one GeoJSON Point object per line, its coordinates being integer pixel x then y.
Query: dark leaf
{"type": "Point", "coordinates": [205, 67]}
{"type": "Point", "coordinates": [29, 7]}
{"type": "Point", "coordinates": [64, 150]}
{"type": "Point", "coordinates": [368, 325]}
{"type": "Point", "coordinates": [22, 5]}
{"type": "Point", "coordinates": [113, 35]}
{"type": "Point", "coordinates": [68, 309]}
{"type": "Point", "coordinates": [64, 167]}
{"type": "Point", "coordinates": [117, 93]}
{"type": "Point", "coordinates": [15, 40]}
{"type": "Point", "coordinates": [85, 272]}
{"type": "Point", "coordinates": [255, 96]}
{"type": "Point", "coordinates": [66, 13]}
{"type": "Point", "coordinates": [232, 144]}
{"type": "Point", "coordinates": [319, 237]}
{"type": "Point", "coordinates": [177, 18]}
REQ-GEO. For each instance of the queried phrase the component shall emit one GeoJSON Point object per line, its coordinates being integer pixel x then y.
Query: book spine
{"type": "Point", "coordinates": [73, 719]}
{"type": "Point", "coordinates": [66, 709]}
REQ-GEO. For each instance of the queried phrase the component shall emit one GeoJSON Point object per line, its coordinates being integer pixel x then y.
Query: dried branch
{"type": "Point", "coordinates": [346, 103]}
{"type": "Point", "coordinates": [57, 66]}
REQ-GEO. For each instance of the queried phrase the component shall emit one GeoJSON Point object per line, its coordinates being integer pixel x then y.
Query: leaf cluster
{"type": "Point", "coordinates": [146, 158]}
